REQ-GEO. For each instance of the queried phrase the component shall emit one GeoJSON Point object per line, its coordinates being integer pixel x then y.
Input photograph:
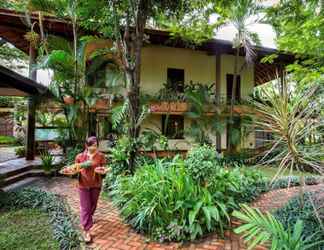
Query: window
{"type": "Point", "coordinates": [173, 126]}
{"type": "Point", "coordinates": [229, 86]}
{"type": "Point", "coordinates": [262, 138]}
{"type": "Point", "coordinates": [176, 79]}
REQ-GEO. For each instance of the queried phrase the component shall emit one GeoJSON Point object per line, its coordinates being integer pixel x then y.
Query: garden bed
{"type": "Point", "coordinates": [26, 229]}
{"type": "Point", "coordinates": [65, 231]}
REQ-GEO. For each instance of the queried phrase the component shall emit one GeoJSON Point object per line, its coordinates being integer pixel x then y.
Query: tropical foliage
{"type": "Point", "coordinates": [167, 204]}
{"type": "Point", "coordinates": [311, 214]}
{"type": "Point", "coordinates": [193, 203]}
{"type": "Point", "coordinates": [293, 119]}
{"type": "Point", "coordinates": [64, 230]}
{"type": "Point", "coordinates": [261, 228]}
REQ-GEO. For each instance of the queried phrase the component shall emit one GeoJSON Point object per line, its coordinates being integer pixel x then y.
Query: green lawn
{"type": "Point", "coordinates": [26, 229]}
{"type": "Point", "coordinates": [7, 139]}
{"type": "Point", "coordinates": [270, 172]}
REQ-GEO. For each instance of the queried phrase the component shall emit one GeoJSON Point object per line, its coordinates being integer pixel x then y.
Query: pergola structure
{"type": "Point", "coordinates": [14, 84]}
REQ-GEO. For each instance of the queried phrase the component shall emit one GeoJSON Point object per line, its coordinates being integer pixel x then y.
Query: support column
{"type": "Point", "coordinates": [30, 141]}
{"type": "Point", "coordinates": [282, 80]}
{"type": "Point", "coordinates": [218, 96]}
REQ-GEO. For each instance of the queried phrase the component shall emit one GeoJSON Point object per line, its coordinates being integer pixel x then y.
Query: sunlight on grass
{"type": "Point", "coordinates": [26, 229]}
{"type": "Point", "coordinates": [270, 172]}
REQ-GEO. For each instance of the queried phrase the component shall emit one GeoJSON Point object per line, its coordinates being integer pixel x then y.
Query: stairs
{"type": "Point", "coordinates": [18, 173]}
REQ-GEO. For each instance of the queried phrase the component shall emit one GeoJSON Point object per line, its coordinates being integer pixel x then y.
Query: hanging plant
{"type": "Point", "coordinates": [33, 38]}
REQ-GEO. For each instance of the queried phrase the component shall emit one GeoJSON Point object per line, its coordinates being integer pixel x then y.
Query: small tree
{"type": "Point", "coordinates": [124, 23]}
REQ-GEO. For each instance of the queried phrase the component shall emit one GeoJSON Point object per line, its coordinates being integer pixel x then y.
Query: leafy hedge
{"type": "Point", "coordinates": [167, 204]}
{"type": "Point", "coordinates": [65, 232]}
{"type": "Point", "coordinates": [289, 214]}
{"type": "Point", "coordinates": [292, 181]}
{"type": "Point", "coordinates": [176, 199]}
{"type": "Point", "coordinates": [169, 201]}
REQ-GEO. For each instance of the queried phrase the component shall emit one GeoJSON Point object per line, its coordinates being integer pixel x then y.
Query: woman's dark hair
{"type": "Point", "coordinates": [91, 140]}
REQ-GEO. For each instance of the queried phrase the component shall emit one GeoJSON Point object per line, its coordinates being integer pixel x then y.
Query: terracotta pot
{"type": "Point", "coordinates": [68, 99]}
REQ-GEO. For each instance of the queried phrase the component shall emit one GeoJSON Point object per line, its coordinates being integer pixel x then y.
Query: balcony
{"type": "Point", "coordinates": [222, 105]}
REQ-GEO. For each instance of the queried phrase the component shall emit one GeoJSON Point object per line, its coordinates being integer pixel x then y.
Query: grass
{"type": "Point", "coordinates": [270, 172]}
{"type": "Point", "coordinates": [26, 229]}
{"type": "Point", "coordinates": [4, 139]}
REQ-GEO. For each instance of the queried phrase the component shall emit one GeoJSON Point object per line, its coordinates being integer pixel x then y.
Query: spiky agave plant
{"type": "Point", "coordinates": [291, 119]}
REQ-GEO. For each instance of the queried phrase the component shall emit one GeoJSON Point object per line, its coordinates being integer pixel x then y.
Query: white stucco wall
{"type": "Point", "coordinates": [198, 67]}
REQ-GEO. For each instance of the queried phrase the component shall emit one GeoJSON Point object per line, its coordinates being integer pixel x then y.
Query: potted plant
{"type": "Point", "coordinates": [47, 162]}
{"type": "Point", "coordinates": [68, 99]}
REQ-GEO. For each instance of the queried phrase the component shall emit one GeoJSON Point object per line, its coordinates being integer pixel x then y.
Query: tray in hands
{"type": "Point", "coordinates": [70, 170]}
{"type": "Point", "coordinates": [101, 170]}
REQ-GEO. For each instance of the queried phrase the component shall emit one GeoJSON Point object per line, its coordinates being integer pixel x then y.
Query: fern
{"type": "Point", "coordinates": [120, 114]}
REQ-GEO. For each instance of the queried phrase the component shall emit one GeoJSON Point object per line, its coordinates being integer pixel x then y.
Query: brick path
{"type": "Point", "coordinates": [110, 233]}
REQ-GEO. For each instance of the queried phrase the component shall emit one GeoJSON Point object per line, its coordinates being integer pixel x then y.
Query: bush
{"type": "Point", "coordinates": [285, 182]}
{"type": "Point", "coordinates": [47, 161]}
{"type": "Point", "coordinates": [201, 163]}
{"type": "Point", "coordinates": [167, 204]}
{"type": "Point", "coordinates": [289, 214]}
{"type": "Point", "coordinates": [7, 139]}
{"type": "Point", "coordinates": [65, 232]}
{"type": "Point", "coordinates": [20, 151]}
{"type": "Point", "coordinates": [72, 153]}
{"type": "Point", "coordinates": [238, 185]}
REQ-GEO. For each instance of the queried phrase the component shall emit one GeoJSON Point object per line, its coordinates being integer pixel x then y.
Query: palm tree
{"type": "Point", "coordinates": [241, 14]}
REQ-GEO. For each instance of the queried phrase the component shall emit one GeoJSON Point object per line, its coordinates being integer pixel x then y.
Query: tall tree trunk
{"type": "Point", "coordinates": [135, 79]}
{"type": "Point", "coordinates": [234, 89]}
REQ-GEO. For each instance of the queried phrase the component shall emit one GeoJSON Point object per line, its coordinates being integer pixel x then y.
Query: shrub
{"type": "Point", "coordinates": [65, 232]}
{"type": "Point", "coordinates": [261, 228]}
{"type": "Point", "coordinates": [285, 182]}
{"type": "Point", "coordinates": [292, 212]}
{"type": "Point", "coordinates": [47, 161]}
{"type": "Point", "coordinates": [72, 153]}
{"type": "Point", "coordinates": [20, 151]}
{"type": "Point", "coordinates": [167, 204]}
{"type": "Point", "coordinates": [201, 163]}
{"type": "Point", "coordinates": [234, 186]}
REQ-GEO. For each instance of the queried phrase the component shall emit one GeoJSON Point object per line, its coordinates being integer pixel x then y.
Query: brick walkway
{"type": "Point", "coordinates": [110, 233]}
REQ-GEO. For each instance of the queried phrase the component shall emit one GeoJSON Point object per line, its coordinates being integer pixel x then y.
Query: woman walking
{"type": "Point", "coordinates": [91, 162]}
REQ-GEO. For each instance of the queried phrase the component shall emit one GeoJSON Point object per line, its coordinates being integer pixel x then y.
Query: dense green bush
{"type": "Point", "coordinates": [65, 232]}
{"type": "Point", "coordinates": [264, 229]}
{"type": "Point", "coordinates": [289, 214]}
{"type": "Point", "coordinates": [72, 153]}
{"type": "Point", "coordinates": [201, 163]}
{"type": "Point", "coordinates": [167, 204]}
{"type": "Point", "coordinates": [47, 161]}
{"type": "Point", "coordinates": [234, 186]}
{"type": "Point", "coordinates": [291, 181]}
{"type": "Point", "coordinates": [20, 151]}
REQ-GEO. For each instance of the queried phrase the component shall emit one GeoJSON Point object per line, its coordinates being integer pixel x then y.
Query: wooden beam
{"type": "Point", "coordinates": [217, 95]}
{"type": "Point", "coordinates": [31, 122]}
